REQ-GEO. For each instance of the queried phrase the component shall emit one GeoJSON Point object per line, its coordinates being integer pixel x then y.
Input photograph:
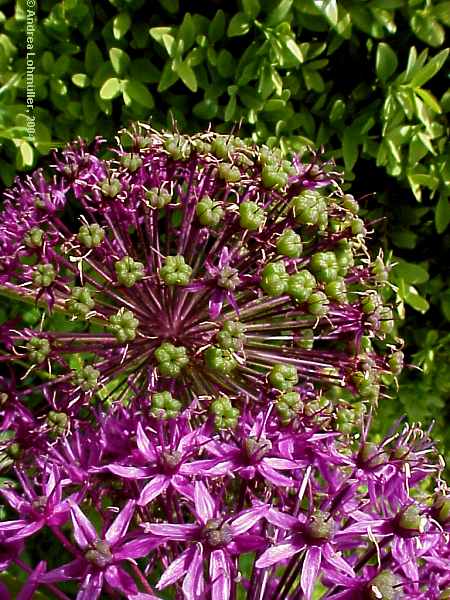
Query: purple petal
{"type": "Point", "coordinates": [183, 486]}
{"type": "Point", "coordinates": [153, 489]}
{"type": "Point", "coordinates": [172, 531]}
{"type": "Point", "coordinates": [204, 503]}
{"type": "Point", "coordinates": [194, 582]}
{"type": "Point", "coordinates": [216, 303]}
{"type": "Point", "coordinates": [83, 530]}
{"type": "Point", "coordinates": [13, 499]}
{"type": "Point", "coordinates": [281, 519]}
{"type": "Point", "coordinates": [120, 580]}
{"type": "Point", "coordinates": [120, 524]}
{"type": "Point", "coordinates": [144, 444]}
{"type": "Point", "coordinates": [311, 566]}
{"type": "Point", "coordinates": [219, 572]}
{"type": "Point", "coordinates": [273, 476]}
{"type": "Point", "coordinates": [91, 587]}
{"type": "Point", "coordinates": [176, 569]}
{"type": "Point", "coordinates": [27, 530]}
{"type": "Point", "coordinates": [34, 579]}
{"type": "Point", "coordinates": [336, 560]}
{"type": "Point", "coordinates": [72, 570]}
{"type": "Point", "coordinates": [247, 519]}
{"type": "Point", "coordinates": [129, 472]}
{"type": "Point", "coordinates": [280, 463]}
{"type": "Point", "coordinates": [137, 548]}
{"type": "Point", "coordinates": [276, 554]}
{"type": "Point", "coordinates": [247, 542]}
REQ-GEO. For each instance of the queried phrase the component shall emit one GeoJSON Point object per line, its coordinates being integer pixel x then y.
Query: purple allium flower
{"type": "Point", "coordinates": [188, 406]}
{"type": "Point", "coordinates": [100, 562]}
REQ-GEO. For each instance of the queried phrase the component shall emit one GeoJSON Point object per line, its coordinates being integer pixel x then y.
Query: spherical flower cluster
{"type": "Point", "coordinates": [186, 405]}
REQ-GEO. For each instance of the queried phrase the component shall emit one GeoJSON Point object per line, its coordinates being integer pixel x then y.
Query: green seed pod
{"type": "Point", "coordinates": [123, 325]}
{"type": "Point", "coordinates": [232, 336]}
{"type": "Point", "coordinates": [289, 244]}
{"type": "Point", "coordinates": [111, 187]}
{"type": "Point", "coordinates": [252, 216]}
{"type": "Point", "coordinates": [396, 362]}
{"type": "Point", "coordinates": [301, 285]}
{"type": "Point", "coordinates": [272, 178]}
{"type": "Point", "coordinates": [225, 414]}
{"type": "Point", "coordinates": [38, 349]}
{"type": "Point", "coordinates": [157, 198]}
{"type": "Point", "coordinates": [220, 360]}
{"type": "Point", "coordinates": [274, 279]}
{"type": "Point", "coordinates": [283, 377]}
{"type": "Point", "coordinates": [288, 406]}
{"type": "Point", "coordinates": [91, 236]}
{"type": "Point", "coordinates": [164, 406]}
{"type": "Point", "coordinates": [209, 213]}
{"type": "Point", "coordinates": [370, 303]}
{"type": "Point", "coordinates": [86, 378]}
{"type": "Point", "coordinates": [324, 266]}
{"type": "Point", "coordinates": [132, 162]}
{"type": "Point", "coordinates": [350, 204]}
{"type": "Point", "coordinates": [80, 303]}
{"type": "Point", "coordinates": [220, 148]}
{"type": "Point", "coordinates": [336, 290]}
{"type": "Point", "coordinates": [230, 173]}
{"type": "Point", "coordinates": [175, 271]}
{"type": "Point", "coordinates": [128, 271]}
{"type": "Point", "coordinates": [310, 208]}
{"type": "Point", "coordinates": [44, 275]}
{"type": "Point", "coordinates": [172, 359]}
{"type": "Point", "coordinates": [34, 238]}
{"type": "Point", "coordinates": [318, 304]}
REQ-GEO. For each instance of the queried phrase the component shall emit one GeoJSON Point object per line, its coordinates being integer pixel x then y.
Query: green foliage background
{"type": "Point", "coordinates": [367, 79]}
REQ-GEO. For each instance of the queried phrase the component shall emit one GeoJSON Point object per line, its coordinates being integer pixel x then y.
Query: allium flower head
{"type": "Point", "coordinates": [194, 267]}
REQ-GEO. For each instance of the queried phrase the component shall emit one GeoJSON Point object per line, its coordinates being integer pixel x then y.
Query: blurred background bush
{"type": "Point", "coordinates": [366, 79]}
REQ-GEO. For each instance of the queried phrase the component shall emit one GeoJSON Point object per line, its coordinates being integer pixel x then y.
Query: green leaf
{"type": "Point", "coordinates": [279, 13]}
{"type": "Point", "coordinates": [294, 49]}
{"type": "Point", "coordinates": [386, 61]}
{"type": "Point", "coordinates": [168, 77]}
{"type": "Point", "coordinates": [119, 60]}
{"type": "Point", "coordinates": [80, 80]}
{"type": "Point", "coordinates": [111, 89]}
{"type": "Point", "coordinates": [442, 214]}
{"type": "Point", "coordinates": [226, 63]}
{"type": "Point", "coordinates": [206, 109]}
{"type": "Point", "coordinates": [415, 300]}
{"type": "Point", "coordinates": [251, 8]}
{"type": "Point", "coordinates": [92, 58]}
{"type": "Point", "coordinates": [25, 156]}
{"type": "Point", "coordinates": [429, 99]}
{"type": "Point", "coordinates": [350, 149]}
{"type": "Point", "coordinates": [121, 24]}
{"type": "Point", "coordinates": [187, 32]}
{"type": "Point", "coordinates": [230, 109]}
{"type": "Point", "coordinates": [410, 272]}
{"type": "Point", "coordinates": [239, 25]}
{"type": "Point", "coordinates": [329, 9]}
{"type": "Point", "coordinates": [430, 69]}
{"type": "Point", "coordinates": [187, 75]}
{"type": "Point", "coordinates": [216, 29]}
{"type": "Point", "coordinates": [138, 92]}
{"type": "Point", "coordinates": [427, 29]}
{"type": "Point", "coordinates": [442, 12]}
